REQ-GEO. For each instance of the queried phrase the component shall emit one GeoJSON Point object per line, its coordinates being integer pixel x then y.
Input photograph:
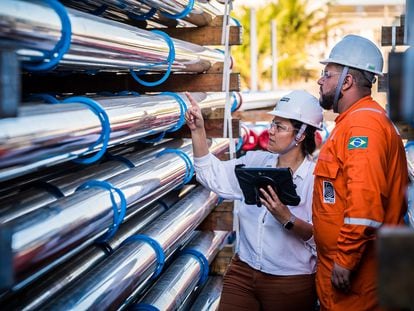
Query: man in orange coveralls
{"type": "Point", "coordinates": [360, 179]}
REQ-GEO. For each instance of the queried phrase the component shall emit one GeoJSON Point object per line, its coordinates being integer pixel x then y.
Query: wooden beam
{"type": "Point", "coordinates": [396, 262]}
{"type": "Point", "coordinates": [222, 261]}
{"type": "Point", "coordinates": [214, 129]}
{"type": "Point", "coordinates": [386, 35]}
{"type": "Point", "coordinates": [221, 218]}
{"type": "Point", "coordinates": [109, 82]}
{"type": "Point", "coordinates": [207, 35]}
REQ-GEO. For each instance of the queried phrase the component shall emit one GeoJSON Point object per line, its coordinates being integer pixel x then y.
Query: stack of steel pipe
{"type": "Point", "coordinates": [32, 196]}
{"type": "Point", "coordinates": [71, 223]}
{"type": "Point", "coordinates": [46, 134]}
{"type": "Point", "coordinates": [167, 11]}
{"type": "Point", "coordinates": [97, 43]}
{"type": "Point", "coordinates": [39, 292]}
{"type": "Point", "coordinates": [116, 280]}
{"type": "Point", "coordinates": [189, 270]}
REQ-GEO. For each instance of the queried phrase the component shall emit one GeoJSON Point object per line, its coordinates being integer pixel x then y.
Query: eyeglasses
{"type": "Point", "coordinates": [327, 74]}
{"type": "Point", "coordinates": [279, 127]}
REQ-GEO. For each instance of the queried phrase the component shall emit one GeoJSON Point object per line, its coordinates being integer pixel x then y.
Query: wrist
{"type": "Point", "coordinates": [290, 223]}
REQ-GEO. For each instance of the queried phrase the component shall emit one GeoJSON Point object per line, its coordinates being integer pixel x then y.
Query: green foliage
{"type": "Point", "coordinates": [298, 28]}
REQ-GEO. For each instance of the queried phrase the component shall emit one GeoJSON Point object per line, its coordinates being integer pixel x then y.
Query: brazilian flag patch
{"type": "Point", "coordinates": [358, 142]}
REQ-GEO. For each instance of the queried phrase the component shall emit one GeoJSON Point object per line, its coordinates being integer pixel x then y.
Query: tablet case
{"type": "Point", "coordinates": [251, 179]}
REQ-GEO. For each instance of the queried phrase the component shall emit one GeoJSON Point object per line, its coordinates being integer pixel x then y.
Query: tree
{"type": "Point", "coordinates": [298, 28]}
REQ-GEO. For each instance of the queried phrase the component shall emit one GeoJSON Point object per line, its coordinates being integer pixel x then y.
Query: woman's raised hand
{"type": "Point", "coordinates": [193, 116]}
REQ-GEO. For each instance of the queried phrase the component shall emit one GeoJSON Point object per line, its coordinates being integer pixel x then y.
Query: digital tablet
{"type": "Point", "coordinates": [251, 179]}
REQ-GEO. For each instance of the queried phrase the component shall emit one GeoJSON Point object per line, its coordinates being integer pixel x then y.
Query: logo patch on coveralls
{"type": "Point", "coordinates": [358, 142]}
{"type": "Point", "coordinates": [328, 192]}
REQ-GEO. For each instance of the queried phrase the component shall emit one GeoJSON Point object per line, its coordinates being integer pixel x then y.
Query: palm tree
{"type": "Point", "coordinates": [298, 29]}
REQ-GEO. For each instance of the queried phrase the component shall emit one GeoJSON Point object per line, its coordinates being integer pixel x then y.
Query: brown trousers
{"type": "Point", "coordinates": [245, 288]}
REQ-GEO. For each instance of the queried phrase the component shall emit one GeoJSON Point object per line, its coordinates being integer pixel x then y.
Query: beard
{"type": "Point", "coordinates": [326, 100]}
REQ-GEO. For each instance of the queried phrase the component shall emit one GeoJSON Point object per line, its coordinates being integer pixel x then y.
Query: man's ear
{"type": "Point", "coordinates": [348, 82]}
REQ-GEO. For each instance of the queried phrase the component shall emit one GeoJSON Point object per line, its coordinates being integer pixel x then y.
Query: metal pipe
{"type": "Point", "coordinates": [34, 197]}
{"type": "Point", "coordinates": [33, 296]}
{"type": "Point", "coordinates": [209, 297]}
{"type": "Point", "coordinates": [184, 274]}
{"type": "Point", "coordinates": [45, 135]}
{"type": "Point", "coordinates": [260, 99]}
{"type": "Point", "coordinates": [39, 237]}
{"type": "Point", "coordinates": [112, 281]}
{"type": "Point", "coordinates": [202, 13]}
{"type": "Point", "coordinates": [97, 43]}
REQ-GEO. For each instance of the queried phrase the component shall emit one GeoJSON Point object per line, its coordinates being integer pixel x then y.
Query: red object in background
{"type": "Point", "coordinates": [318, 139]}
{"type": "Point", "coordinates": [251, 141]}
{"type": "Point", "coordinates": [264, 139]}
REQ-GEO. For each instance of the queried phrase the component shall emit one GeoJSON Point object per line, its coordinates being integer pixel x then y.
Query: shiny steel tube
{"type": "Point", "coordinates": [33, 296]}
{"type": "Point", "coordinates": [97, 43]}
{"type": "Point", "coordinates": [34, 197]}
{"type": "Point", "coordinates": [112, 281]}
{"type": "Point", "coordinates": [45, 134]}
{"type": "Point", "coordinates": [39, 237]}
{"type": "Point", "coordinates": [183, 275]}
{"type": "Point", "coordinates": [209, 297]}
{"type": "Point", "coordinates": [202, 14]}
{"type": "Point", "coordinates": [260, 99]}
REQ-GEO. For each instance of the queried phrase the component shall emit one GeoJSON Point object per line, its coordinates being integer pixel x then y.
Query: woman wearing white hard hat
{"type": "Point", "coordinates": [274, 264]}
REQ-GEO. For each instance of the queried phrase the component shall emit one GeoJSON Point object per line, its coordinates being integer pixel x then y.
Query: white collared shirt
{"type": "Point", "coordinates": [263, 243]}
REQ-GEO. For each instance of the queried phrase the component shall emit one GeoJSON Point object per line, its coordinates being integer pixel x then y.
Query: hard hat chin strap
{"type": "Point", "coordinates": [295, 141]}
{"type": "Point", "coordinates": [339, 87]}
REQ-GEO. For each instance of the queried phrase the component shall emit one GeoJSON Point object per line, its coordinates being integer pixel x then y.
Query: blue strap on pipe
{"type": "Point", "coordinates": [44, 185]}
{"type": "Point", "coordinates": [126, 93]}
{"type": "Point", "coordinates": [188, 164]}
{"type": "Point", "coordinates": [235, 104]}
{"type": "Point", "coordinates": [182, 14]}
{"type": "Point", "coordinates": [159, 252]}
{"type": "Point", "coordinates": [120, 158]}
{"type": "Point", "coordinates": [142, 17]}
{"type": "Point", "coordinates": [239, 143]}
{"type": "Point", "coordinates": [106, 127]}
{"type": "Point", "coordinates": [236, 21]}
{"type": "Point", "coordinates": [153, 140]}
{"type": "Point", "coordinates": [47, 98]}
{"type": "Point", "coordinates": [61, 47]}
{"type": "Point", "coordinates": [203, 263]}
{"type": "Point", "coordinates": [163, 204]}
{"type": "Point", "coordinates": [183, 109]}
{"type": "Point", "coordinates": [169, 61]}
{"type": "Point", "coordinates": [99, 11]}
{"type": "Point", "coordinates": [143, 307]}
{"type": "Point", "coordinates": [177, 126]}
{"type": "Point", "coordinates": [118, 214]}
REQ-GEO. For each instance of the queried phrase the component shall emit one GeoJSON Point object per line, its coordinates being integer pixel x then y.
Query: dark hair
{"type": "Point", "coordinates": [308, 145]}
{"type": "Point", "coordinates": [363, 79]}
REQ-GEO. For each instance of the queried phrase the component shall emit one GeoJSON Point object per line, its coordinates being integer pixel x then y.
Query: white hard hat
{"type": "Point", "coordinates": [357, 52]}
{"type": "Point", "coordinates": [301, 106]}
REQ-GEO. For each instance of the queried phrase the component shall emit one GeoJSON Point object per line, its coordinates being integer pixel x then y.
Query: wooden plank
{"type": "Point", "coordinates": [108, 82]}
{"type": "Point", "coordinates": [222, 260]}
{"type": "Point", "coordinates": [386, 35]}
{"type": "Point", "coordinates": [221, 218]}
{"type": "Point", "coordinates": [207, 35]}
{"type": "Point", "coordinates": [396, 262]}
{"type": "Point", "coordinates": [214, 129]}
